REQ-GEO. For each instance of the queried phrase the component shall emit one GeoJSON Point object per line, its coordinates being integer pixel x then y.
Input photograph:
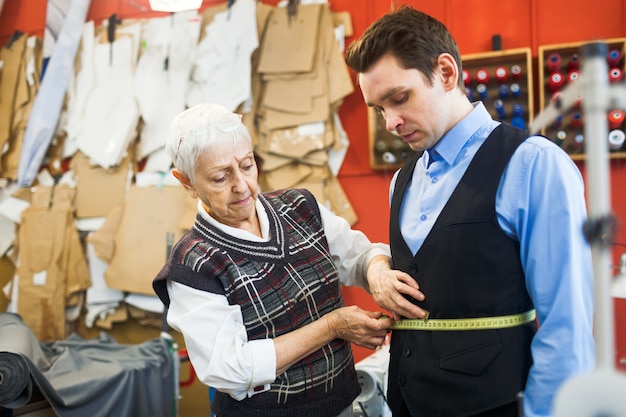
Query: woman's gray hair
{"type": "Point", "coordinates": [199, 129]}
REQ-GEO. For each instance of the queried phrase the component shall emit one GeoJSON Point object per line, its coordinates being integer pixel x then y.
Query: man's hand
{"type": "Point", "coordinates": [389, 288]}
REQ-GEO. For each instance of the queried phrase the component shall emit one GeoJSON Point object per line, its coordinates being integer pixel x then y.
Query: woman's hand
{"type": "Point", "coordinates": [361, 327]}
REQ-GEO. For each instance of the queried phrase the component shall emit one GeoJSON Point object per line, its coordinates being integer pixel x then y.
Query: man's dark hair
{"type": "Point", "coordinates": [414, 38]}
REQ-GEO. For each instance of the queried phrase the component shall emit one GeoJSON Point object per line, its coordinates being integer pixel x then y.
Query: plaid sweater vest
{"type": "Point", "coordinates": [281, 285]}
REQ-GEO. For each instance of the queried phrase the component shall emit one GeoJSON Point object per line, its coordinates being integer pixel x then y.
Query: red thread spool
{"type": "Point", "coordinates": [573, 63]}
{"type": "Point", "coordinates": [556, 81]}
{"type": "Point", "coordinates": [502, 74]}
{"type": "Point", "coordinates": [482, 76]}
{"type": "Point", "coordinates": [572, 76]}
{"type": "Point", "coordinates": [615, 74]}
{"type": "Point", "coordinates": [467, 78]}
{"type": "Point", "coordinates": [554, 62]}
{"type": "Point", "coordinates": [516, 72]}
{"type": "Point", "coordinates": [616, 118]}
{"type": "Point", "coordinates": [613, 58]}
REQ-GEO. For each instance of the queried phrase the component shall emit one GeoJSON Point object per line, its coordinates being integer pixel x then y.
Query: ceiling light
{"type": "Point", "coordinates": [174, 5]}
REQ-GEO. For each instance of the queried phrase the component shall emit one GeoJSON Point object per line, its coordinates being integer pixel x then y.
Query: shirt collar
{"type": "Point", "coordinates": [240, 233]}
{"type": "Point", "coordinates": [451, 144]}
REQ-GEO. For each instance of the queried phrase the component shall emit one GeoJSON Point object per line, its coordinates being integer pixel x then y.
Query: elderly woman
{"type": "Point", "coordinates": [254, 285]}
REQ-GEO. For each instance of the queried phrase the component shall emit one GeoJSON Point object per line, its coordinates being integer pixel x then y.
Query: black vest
{"type": "Point", "coordinates": [467, 267]}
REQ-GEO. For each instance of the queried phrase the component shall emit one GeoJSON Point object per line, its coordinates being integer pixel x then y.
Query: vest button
{"type": "Point", "coordinates": [406, 352]}
{"type": "Point", "coordinates": [413, 269]}
{"type": "Point", "coordinates": [401, 381]}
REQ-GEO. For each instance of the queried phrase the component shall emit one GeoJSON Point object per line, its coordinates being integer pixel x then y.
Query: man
{"type": "Point", "coordinates": [487, 224]}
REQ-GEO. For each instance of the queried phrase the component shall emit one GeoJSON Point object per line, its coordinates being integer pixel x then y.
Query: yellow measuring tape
{"type": "Point", "coordinates": [478, 323]}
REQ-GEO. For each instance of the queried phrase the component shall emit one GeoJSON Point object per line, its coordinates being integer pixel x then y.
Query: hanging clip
{"type": "Point", "coordinates": [15, 36]}
{"type": "Point", "coordinates": [113, 21]}
{"type": "Point", "coordinates": [230, 6]}
{"type": "Point", "coordinates": [292, 9]}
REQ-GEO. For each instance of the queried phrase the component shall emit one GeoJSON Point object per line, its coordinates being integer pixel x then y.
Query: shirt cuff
{"type": "Point", "coordinates": [264, 363]}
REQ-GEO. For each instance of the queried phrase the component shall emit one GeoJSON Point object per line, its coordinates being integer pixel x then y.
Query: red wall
{"type": "Point", "coordinates": [519, 23]}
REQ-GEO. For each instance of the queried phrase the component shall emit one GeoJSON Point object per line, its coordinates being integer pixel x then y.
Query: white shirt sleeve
{"type": "Point", "coordinates": [217, 342]}
{"type": "Point", "coordinates": [351, 250]}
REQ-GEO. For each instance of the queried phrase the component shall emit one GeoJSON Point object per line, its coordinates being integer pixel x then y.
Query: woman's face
{"type": "Point", "coordinates": [226, 182]}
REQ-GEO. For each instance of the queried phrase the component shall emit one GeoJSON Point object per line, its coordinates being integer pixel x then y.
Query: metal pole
{"type": "Point", "coordinates": [599, 227]}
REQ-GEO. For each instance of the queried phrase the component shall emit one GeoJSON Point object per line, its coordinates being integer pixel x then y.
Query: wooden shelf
{"type": "Point", "coordinates": [558, 58]}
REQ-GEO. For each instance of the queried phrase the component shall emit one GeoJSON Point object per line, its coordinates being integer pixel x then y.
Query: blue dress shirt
{"type": "Point", "coordinates": [540, 203]}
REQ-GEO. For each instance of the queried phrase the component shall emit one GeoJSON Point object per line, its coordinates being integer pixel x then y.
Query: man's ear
{"type": "Point", "coordinates": [449, 71]}
{"type": "Point", "coordinates": [185, 181]}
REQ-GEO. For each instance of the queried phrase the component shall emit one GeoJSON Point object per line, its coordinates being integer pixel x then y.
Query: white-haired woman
{"type": "Point", "coordinates": [254, 285]}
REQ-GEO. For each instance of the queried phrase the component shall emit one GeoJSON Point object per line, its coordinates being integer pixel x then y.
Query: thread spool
{"type": "Point", "coordinates": [516, 72]}
{"type": "Point", "coordinates": [558, 121]}
{"type": "Point", "coordinates": [615, 75]}
{"type": "Point", "coordinates": [573, 76]}
{"type": "Point", "coordinates": [469, 93]}
{"type": "Point", "coordinates": [515, 90]}
{"type": "Point", "coordinates": [554, 62]}
{"type": "Point", "coordinates": [498, 105]}
{"type": "Point", "coordinates": [573, 63]}
{"type": "Point", "coordinates": [613, 58]}
{"type": "Point", "coordinates": [517, 110]}
{"type": "Point", "coordinates": [577, 120]}
{"type": "Point", "coordinates": [467, 78]}
{"type": "Point", "coordinates": [616, 139]}
{"type": "Point", "coordinates": [502, 74]}
{"type": "Point", "coordinates": [482, 76]}
{"type": "Point", "coordinates": [616, 118]}
{"type": "Point", "coordinates": [503, 91]}
{"type": "Point", "coordinates": [389, 158]}
{"type": "Point", "coordinates": [481, 89]}
{"type": "Point", "coordinates": [556, 81]}
{"type": "Point", "coordinates": [517, 121]}
{"type": "Point", "coordinates": [561, 135]}
{"type": "Point", "coordinates": [577, 142]}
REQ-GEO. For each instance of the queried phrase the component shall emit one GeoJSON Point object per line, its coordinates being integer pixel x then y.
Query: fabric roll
{"type": "Point", "coordinates": [82, 378]}
{"type": "Point", "coordinates": [15, 384]}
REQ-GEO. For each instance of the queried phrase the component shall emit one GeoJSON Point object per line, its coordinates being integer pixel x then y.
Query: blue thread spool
{"type": "Point", "coordinates": [515, 90]}
{"type": "Point", "coordinates": [498, 105]}
{"type": "Point", "coordinates": [518, 121]}
{"type": "Point", "coordinates": [481, 89]}
{"type": "Point", "coordinates": [503, 91]}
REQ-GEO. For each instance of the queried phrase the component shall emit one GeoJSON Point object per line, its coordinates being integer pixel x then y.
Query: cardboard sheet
{"type": "Point", "coordinates": [289, 42]}
{"type": "Point", "coordinates": [140, 241]}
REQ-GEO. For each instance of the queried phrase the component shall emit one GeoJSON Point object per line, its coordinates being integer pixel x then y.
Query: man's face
{"type": "Point", "coordinates": [412, 107]}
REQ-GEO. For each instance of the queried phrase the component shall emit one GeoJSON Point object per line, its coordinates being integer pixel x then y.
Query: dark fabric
{"type": "Point", "coordinates": [92, 378]}
{"type": "Point", "coordinates": [467, 267]}
{"type": "Point", "coordinates": [508, 410]}
{"type": "Point", "coordinates": [280, 285]}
